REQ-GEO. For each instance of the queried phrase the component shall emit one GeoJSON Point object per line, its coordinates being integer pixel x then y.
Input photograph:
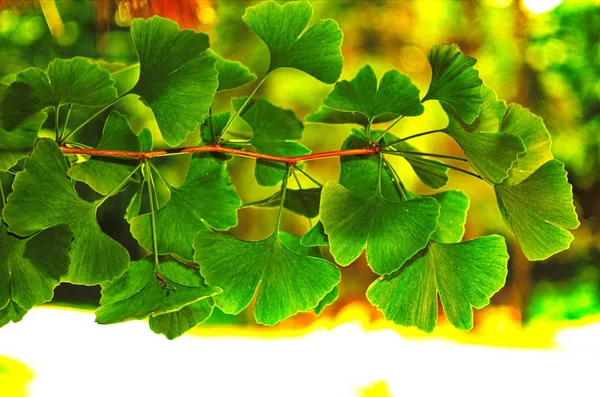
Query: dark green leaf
{"type": "Point", "coordinates": [287, 282]}
{"type": "Point", "coordinates": [303, 202]}
{"type": "Point", "coordinates": [392, 232]}
{"type": "Point", "coordinates": [207, 195]}
{"type": "Point", "coordinates": [104, 174]}
{"type": "Point", "coordinates": [395, 95]}
{"type": "Point", "coordinates": [274, 130]}
{"type": "Point", "coordinates": [464, 274]}
{"type": "Point", "coordinates": [30, 268]}
{"type": "Point", "coordinates": [454, 81]}
{"type": "Point", "coordinates": [17, 104]}
{"type": "Point", "coordinates": [219, 121]}
{"type": "Point", "coordinates": [43, 197]}
{"type": "Point", "coordinates": [432, 173]}
{"type": "Point", "coordinates": [317, 51]}
{"type": "Point", "coordinates": [539, 209]}
{"type": "Point", "coordinates": [178, 79]}
{"type": "Point", "coordinates": [70, 81]}
{"type": "Point", "coordinates": [331, 116]}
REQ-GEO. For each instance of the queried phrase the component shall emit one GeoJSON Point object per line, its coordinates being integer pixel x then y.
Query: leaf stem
{"type": "Point", "coordinates": [392, 125]}
{"type": "Point", "coordinates": [126, 68]}
{"type": "Point", "coordinates": [368, 130]}
{"type": "Point", "coordinates": [379, 175]}
{"type": "Point", "coordinates": [162, 178]}
{"type": "Point", "coordinates": [56, 122]}
{"type": "Point", "coordinates": [212, 126]}
{"type": "Point", "coordinates": [66, 120]}
{"type": "Point", "coordinates": [241, 109]}
{"type": "Point", "coordinates": [396, 179]}
{"type": "Point", "coordinates": [284, 184]}
{"type": "Point", "coordinates": [463, 171]}
{"type": "Point", "coordinates": [2, 195]}
{"type": "Point", "coordinates": [151, 192]}
{"type": "Point", "coordinates": [118, 187]}
{"type": "Point", "coordinates": [313, 180]}
{"type": "Point", "coordinates": [411, 137]}
{"type": "Point", "coordinates": [93, 117]}
{"type": "Point", "coordinates": [403, 153]}
{"type": "Point", "coordinates": [301, 199]}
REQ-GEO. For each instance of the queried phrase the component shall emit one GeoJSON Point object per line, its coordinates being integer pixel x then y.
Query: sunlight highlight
{"type": "Point", "coordinates": [540, 6]}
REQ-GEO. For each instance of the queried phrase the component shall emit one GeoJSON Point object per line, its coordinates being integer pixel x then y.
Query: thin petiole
{"type": "Point", "coordinates": [393, 124]}
{"type": "Point", "coordinates": [396, 179]}
{"type": "Point", "coordinates": [92, 117]}
{"type": "Point", "coordinates": [118, 187]}
{"type": "Point", "coordinates": [56, 122]}
{"type": "Point", "coordinates": [403, 153]}
{"type": "Point", "coordinates": [66, 120]}
{"type": "Point", "coordinates": [284, 184]}
{"type": "Point", "coordinates": [212, 125]}
{"type": "Point", "coordinates": [126, 68]}
{"type": "Point", "coordinates": [412, 137]}
{"type": "Point", "coordinates": [2, 195]}
{"type": "Point", "coordinates": [379, 175]}
{"type": "Point", "coordinates": [241, 109]}
{"type": "Point", "coordinates": [162, 178]}
{"type": "Point", "coordinates": [463, 171]}
{"type": "Point", "coordinates": [313, 180]}
{"type": "Point", "coordinates": [151, 193]}
{"type": "Point", "coordinates": [300, 187]}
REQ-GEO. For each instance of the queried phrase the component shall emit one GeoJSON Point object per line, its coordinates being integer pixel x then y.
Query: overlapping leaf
{"type": "Point", "coordinates": [432, 173]}
{"type": "Point", "coordinates": [464, 274]}
{"type": "Point", "coordinates": [454, 81]}
{"type": "Point", "coordinates": [315, 237]}
{"type": "Point", "coordinates": [316, 51]}
{"type": "Point", "coordinates": [17, 103]}
{"type": "Point", "coordinates": [491, 151]}
{"type": "Point", "coordinates": [70, 81]}
{"type": "Point", "coordinates": [274, 132]}
{"type": "Point", "coordinates": [395, 95]}
{"type": "Point", "coordinates": [43, 197]}
{"type": "Point", "coordinates": [539, 209]}
{"type": "Point", "coordinates": [287, 282]}
{"type": "Point", "coordinates": [174, 296]}
{"type": "Point", "coordinates": [178, 79]}
{"type": "Point", "coordinates": [232, 74]}
{"type": "Point", "coordinates": [103, 174]}
{"type": "Point", "coordinates": [31, 267]}
{"type": "Point", "coordinates": [207, 195]}
{"type": "Point", "coordinates": [303, 202]}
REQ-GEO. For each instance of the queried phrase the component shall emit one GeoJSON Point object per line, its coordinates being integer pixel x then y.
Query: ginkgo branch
{"type": "Point", "coordinates": [219, 149]}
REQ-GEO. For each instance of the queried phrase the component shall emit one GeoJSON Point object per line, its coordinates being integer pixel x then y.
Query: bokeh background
{"type": "Point", "coordinates": [542, 54]}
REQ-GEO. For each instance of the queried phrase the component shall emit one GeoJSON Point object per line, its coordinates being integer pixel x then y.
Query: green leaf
{"type": "Point", "coordinates": [207, 195]}
{"type": "Point", "coordinates": [70, 81]}
{"type": "Point", "coordinates": [287, 282]}
{"type": "Point", "coordinates": [432, 173]}
{"type": "Point", "coordinates": [317, 51]}
{"type": "Point", "coordinates": [315, 236]}
{"type": "Point", "coordinates": [232, 74]}
{"type": "Point", "coordinates": [464, 274]}
{"type": "Point", "coordinates": [274, 130]}
{"type": "Point", "coordinates": [331, 297]}
{"type": "Point", "coordinates": [359, 174]}
{"type": "Point", "coordinates": [332, 116]}
{"type": "Point", "coordinates": [453, 216]}
{"type": "Point", "coordinates": [303, 202]}
{"type": "Point", "coordinates": [178, 79]}
{"type": "Point", "coordinates": [104, 174]}
{"type": "Point", "coordinates": [454, 81]}
{"type": "Point", "coordinates": [145, 139]}
{"type": "Point", "coordinates": [43, 197]}
{"type": "Point", "coordinates": [539, 209]}
{"type": "Point", "coordinates": [12, 312]}
{"type": "Point", "coordinates": [490, 151]}
{"type": "Point", "coordinates": [395, 95]}
{"type": "Point", "coordinates": [144, 290]}
{"type": "Point", "coordinates": [175, 324]}
{"type": "Point", "coordinates": [392, 232]}
{"type": "Point", "coordinates": [30, 268]}
{"type": "Point", "coordinates": [18, 143]}
{"type": "Point", "coordinates": [219, 121]}
{"type": "Point", "coordinates": [520, 122]}
{"type": "Point", "coordinates": [17, 104]}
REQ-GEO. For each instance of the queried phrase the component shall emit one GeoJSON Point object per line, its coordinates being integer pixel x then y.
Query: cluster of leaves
{"type": "Point", "coordinates": [49, 234]}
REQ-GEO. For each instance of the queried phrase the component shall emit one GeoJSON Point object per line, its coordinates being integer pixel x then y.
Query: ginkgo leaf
{"type": "Point", "coordinates": [218, 121]}
{"type": "Point", "coordinates": [539, 209]}
{"type": "Point", "coordinates": [453, 216]}
{"type": "Point", "coordinates": [11, 312]}
{"type": "Point", "coordinates": [31, 267]}
{"type": "Point", "coordinates": [175, 324]}
{"type": "Point", "coordinates": [178, 79]}
{"type": "Point", "coordinates": [287, 282]}
{"type": "Point", "coordinates": [103, 174]}
{"type": "Point", "coordinates": [16, 144]}
{"type": "Point", "coordinates": [207, 195]}
{"type": "Point", "coordinates": [391, 231]}
{"type": "Point", "coordinates": [70, 81]}
{"type": "Point", "coordinates": [316, 51]}
{"type": "Point", "coordinates": [490, 151]}
{"type": "Point", "coordinates": [43, 197]}
{"type": "Point", "coordinates": [232, 74]}
{"type": "Point", "coordinates": [133, 208]}
{"type": "Point", "coordinates": [145, 139]}
{"type": "Point", "coordinates": [17, 104]}
{"type": "Point", "coordinates": [303, 202]}
{"type": "Point", "coordinates": [332, 116]}
{"type": "Point", "coordinates": [331, 297]}
{"type": "Point", "coordinates": [464, 274]}
{"type": "Point", "coordinates": [396, 95]}
{"type": "Point", "coordinates": [316, 236]}
{"type": "Point", "coordinates": [432, 173]}
{"type": "Point", "coordinates": [274, 132]}
{"type": "Point", "coordinates": [144, 290]}
{"type": "Point", "coordinates": [530, 128]}
{"type": "Point", "coordinates": [454, 81]}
